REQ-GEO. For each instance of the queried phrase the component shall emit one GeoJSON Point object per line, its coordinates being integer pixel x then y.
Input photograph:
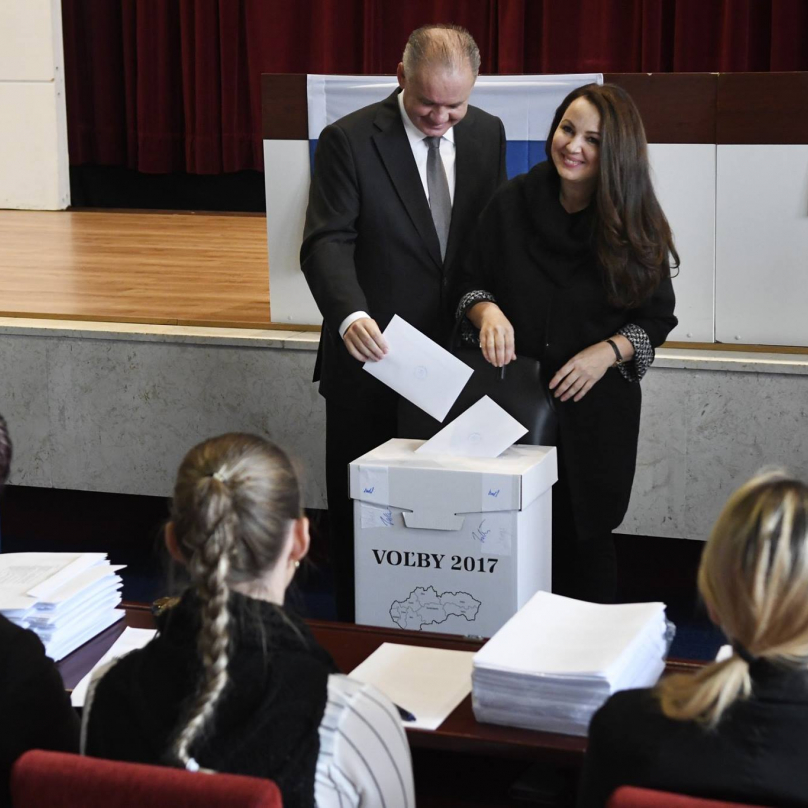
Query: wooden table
{"type": "Point", "coordinates": [461, 744]}
{"type": "Point", "coordinates": [349, 645]}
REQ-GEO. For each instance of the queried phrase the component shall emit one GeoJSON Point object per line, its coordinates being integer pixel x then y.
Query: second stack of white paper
{"type": "Point", "coordinates": [557, 660]}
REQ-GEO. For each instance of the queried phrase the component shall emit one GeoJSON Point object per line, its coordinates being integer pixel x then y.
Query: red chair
{"type": "Point", "coordinates": [633, 797]}
{"type": "Point", "coordinates": [61, 780]}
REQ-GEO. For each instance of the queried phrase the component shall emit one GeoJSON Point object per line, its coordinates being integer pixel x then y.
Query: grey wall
{"type": "Point", "coordinates": [113, 408]}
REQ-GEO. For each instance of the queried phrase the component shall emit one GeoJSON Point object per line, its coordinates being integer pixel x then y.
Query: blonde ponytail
{"type": "Point", "coordinates": [705, 695]}
{"type": "Point", "coordinates": [754, 578]}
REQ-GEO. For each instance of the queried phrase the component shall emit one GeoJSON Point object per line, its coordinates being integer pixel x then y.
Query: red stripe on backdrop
{"type": "Point", "coordinates": [176, 86]}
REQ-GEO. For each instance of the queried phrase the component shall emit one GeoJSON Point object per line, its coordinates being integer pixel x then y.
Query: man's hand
{"type": "Point", "coordinates": [578, 376]}
{"type": "Point", "coordinates": [496, 333]}
{"type": "Point", "coordinates": [364, 341]}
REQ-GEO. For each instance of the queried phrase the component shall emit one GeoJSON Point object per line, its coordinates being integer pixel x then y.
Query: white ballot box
{"type": "Point", "coordinates": [450, 544]}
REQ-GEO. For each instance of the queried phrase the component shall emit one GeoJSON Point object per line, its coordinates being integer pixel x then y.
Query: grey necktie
{"type": "Point", "coordinates": [440, 202]}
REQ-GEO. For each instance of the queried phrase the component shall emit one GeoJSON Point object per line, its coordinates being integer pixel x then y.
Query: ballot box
{"type": "Point", "coordinates": [450, 544]}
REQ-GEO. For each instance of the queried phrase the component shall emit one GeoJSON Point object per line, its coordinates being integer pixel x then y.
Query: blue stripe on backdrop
{"type": "Point", "coordinates": [312, 149]}
{"type": "Point", "coordinates": [520, 156]}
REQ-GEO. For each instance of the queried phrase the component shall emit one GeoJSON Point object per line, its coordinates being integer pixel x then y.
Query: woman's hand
{"type": "Point", "coordinates": [496, 333]}
{"type": "Point", "coordinates": [578, 376]}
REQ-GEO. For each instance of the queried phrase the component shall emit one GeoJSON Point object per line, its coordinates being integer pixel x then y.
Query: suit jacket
{"type": "Point", "coordinates": [369, 242]}
{"type": "Point", "coordinates": [35, 710]}
{"type": "Point", "coordinates": [756, 754]}
{"type": "Point", "coordinates": [537, 261]}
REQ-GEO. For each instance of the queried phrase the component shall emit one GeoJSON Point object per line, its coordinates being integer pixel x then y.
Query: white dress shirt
{"type": "Point", "coordinates": [420, 151]}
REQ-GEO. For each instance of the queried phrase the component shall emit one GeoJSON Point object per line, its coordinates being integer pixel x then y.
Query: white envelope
{"type": "Point", "coordinates": [419, 369]}
{"type": "Point", "coordinates": [483, 430]}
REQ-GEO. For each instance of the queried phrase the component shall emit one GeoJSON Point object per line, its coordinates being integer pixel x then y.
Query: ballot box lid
{"type": "Point", "coordinates": [395, 474]}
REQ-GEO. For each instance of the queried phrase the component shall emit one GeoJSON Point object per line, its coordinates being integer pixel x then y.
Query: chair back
{"type": "Point", "coordinates": [62, 780]}
{"type": "Point", "coordinates": [634, 797]}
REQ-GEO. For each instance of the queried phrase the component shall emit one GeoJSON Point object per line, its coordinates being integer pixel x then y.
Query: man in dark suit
{"type": "Point", "coordinates": [396, 190]}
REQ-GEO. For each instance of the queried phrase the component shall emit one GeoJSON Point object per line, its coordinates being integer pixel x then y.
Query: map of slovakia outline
{"type": "Point", "coordinates": [425, 606]}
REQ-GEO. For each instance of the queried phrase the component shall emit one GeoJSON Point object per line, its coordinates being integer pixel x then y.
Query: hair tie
{"type": "Point", "coordinates": [219, 475]}
{"type": "Point", "coordinates": [743, 653]}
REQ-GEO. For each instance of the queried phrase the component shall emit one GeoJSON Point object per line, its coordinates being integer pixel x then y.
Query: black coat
{"type": "Point", "coordinates": [537, 260]}
{"type": "Point", "coordinates": [35, 710]}
{"type": "Point", "coordinates": [757, 754]}
{"type": "Point", "coordinates": [267, 721]}
{"type": "Point", "coordinates": [369, 242]}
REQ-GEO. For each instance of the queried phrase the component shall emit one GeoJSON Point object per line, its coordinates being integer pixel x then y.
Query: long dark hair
{"type": "Point", "coordinates": [633, 239]}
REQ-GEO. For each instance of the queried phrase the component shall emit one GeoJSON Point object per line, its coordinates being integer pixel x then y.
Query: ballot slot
{"type": "Point", "coordinates": [450, 544]}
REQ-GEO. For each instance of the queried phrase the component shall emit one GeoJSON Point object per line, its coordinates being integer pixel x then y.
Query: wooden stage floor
{"type": "Point", "coordinates": [133, 267]}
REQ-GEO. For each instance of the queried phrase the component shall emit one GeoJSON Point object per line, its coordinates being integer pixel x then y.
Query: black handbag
{"type": "Point", "coordinates": [519, 388]}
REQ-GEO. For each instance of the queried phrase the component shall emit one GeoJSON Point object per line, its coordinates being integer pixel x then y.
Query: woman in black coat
{"type": "Point", "coordinates": [735, 730]}
{"type": "Point", "coordinates": [571, 266]}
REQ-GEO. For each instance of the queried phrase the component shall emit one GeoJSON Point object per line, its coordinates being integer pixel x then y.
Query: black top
{"type": "Point", "coordinates": [538, 262]}
{"type": "Point", "coordinates": [266, 722]}
{"type": "Point", "coordinates": [35, 710]}
{"type": "Point", "coordinates": [757, 754]}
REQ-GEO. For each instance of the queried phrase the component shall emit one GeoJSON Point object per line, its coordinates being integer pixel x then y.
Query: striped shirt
{"type": "Point", "coordinates": [364, 754]}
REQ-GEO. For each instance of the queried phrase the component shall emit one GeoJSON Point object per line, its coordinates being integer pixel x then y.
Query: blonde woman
{"type": "Point", "coordinates": [737, 729]}
{"type": "Point", "coordinates": [233, 682]}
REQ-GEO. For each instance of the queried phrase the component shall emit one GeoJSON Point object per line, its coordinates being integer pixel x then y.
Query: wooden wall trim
{"type": "Point", "coordinates": [284, 107]}
{"type": "Point", "coordinates": [675, 107]}
{"type": "Point", "coordinates": [762, 108]}
{"type": "Point", "coordinates": [725, 108]}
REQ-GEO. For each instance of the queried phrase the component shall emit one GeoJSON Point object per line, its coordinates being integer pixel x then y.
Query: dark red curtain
{"type": "Point", "coordinates": [174, 85]}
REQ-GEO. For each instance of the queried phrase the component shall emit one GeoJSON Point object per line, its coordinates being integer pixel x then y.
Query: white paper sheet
{"type": "Point", "coordinates": [427, 682]}
{"type": "Point", "coordinates": [91, 579]}
{"type": "Point", "coordinates": [27, 577]}
{"type": "Point", "coordinates": [483, 430]}
{"type": "Point", "coordinates": [419, 369]}
{"type": "Point", "coordinates": [131, 639]}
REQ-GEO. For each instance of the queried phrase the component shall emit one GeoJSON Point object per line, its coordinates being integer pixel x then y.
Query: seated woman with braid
{"type": "Point", "coordinates": [737, 729]}
{"type": "Point", "coordinates": [234, 682]}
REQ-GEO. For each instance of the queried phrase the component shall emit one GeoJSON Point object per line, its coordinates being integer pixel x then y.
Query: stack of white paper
{"type": "Point", "coordinates": [66, 598]}
{"type": "Point", "coordinates": [557, 660]}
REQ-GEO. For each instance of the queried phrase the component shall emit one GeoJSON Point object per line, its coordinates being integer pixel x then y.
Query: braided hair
{"type": "Point", "coordinates": [234, 501]}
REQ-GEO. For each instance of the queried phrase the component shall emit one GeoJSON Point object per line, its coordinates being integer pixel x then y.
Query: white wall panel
{"type": "Point", "coordinates": [28, 29]}
{"type": "Point", "coordinates": [287, 176]}
{"type": "Point", "coordinates": [34, 171]}
{"type": "Point", "coordinates": [762, 245]}
{"type": "Point", "coordinates": [33, 147]}
{"type": "Point", "coordinates": [684, 179]}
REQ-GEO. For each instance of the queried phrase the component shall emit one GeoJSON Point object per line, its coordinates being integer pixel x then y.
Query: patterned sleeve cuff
{"type": "Point", "coordinates": [468, 333]}
{"type": "Point", "coordinates": [644, 353]}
